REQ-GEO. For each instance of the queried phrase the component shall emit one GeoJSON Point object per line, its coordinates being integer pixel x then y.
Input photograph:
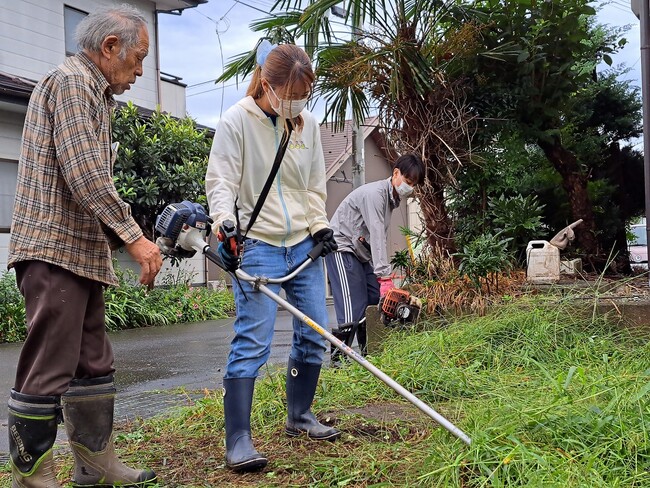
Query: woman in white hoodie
{"type": "Point", "coordinates": [291, 222]}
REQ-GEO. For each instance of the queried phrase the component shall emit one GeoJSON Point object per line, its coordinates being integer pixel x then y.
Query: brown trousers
{"type": "Point", "coordinates": [66, 334]}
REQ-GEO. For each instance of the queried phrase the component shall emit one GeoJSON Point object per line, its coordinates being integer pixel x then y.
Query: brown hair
{"type": "Point", "coordinates": [285, 65]}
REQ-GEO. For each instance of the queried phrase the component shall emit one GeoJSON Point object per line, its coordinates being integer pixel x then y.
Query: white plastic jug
{"type": "Point", "coordinates": [543, 260]}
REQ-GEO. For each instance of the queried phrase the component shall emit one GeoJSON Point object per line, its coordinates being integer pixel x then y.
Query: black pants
{"type": "Point", "coordinates": [66, 334]}
{"type": "Point", "coordinates": [354, 287]}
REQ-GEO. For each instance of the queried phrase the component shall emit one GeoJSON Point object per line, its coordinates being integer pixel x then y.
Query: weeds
{"type": "Point", "coordinates": [550, 395]}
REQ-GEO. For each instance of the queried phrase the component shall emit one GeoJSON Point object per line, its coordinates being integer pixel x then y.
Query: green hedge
{"type": "Point", "coordinates": [12, 310]}
{"type": "Point", "coordinates": [128, 306]}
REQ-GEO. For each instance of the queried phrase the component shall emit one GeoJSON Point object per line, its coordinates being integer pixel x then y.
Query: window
{"type": "Point", "coordinates": [640, 236]}
{"type": "Point", "coordinates": [8, 175]}
{"type": "Point", "coordinates": [71, 19]}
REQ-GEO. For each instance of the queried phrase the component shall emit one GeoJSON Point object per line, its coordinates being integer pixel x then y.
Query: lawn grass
{"type": "Point", "coordinates": [551, 396]}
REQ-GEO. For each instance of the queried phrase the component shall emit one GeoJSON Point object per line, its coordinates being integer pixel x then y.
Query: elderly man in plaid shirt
{"type": "Point", "coordinates": [67, 217]}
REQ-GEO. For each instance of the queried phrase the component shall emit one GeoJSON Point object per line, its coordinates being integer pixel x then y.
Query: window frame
{"type": "Point", "coordinates": [66, 27]}
{"type": "Point", "coordinates": [3, 229]}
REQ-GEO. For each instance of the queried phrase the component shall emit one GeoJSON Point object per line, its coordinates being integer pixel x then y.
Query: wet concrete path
{"type": "Point", "coordinates": [154, 362]}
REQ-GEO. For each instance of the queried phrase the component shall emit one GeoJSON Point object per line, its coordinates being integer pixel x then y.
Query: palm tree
{"type": "Point", "coordinates": [399, 66]}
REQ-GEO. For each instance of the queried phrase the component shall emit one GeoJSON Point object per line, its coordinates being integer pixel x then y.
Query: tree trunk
{"type": "Point", "coordinates": [574, 182]}
{"type": "Point", "coordinates": [617, 243]}
{"type": "Point", "coordinates": [436, 218]}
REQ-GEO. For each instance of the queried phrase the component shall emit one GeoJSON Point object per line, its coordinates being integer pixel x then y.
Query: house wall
{"type": "Point", "coordinates": [4, 248]}
{"type": "Point", "coordinates": [172, 99]}
{"type": "Point", "coordinates": [32, 41]}
{"type": "Point", "coordinates": [190, 270]}
{"type": "Point", "coordinates": [11, 127]}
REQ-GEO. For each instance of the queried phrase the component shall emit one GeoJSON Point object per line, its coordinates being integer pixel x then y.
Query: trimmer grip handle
{"type": "Point", "coordinates": [228, 235]}
{"type": "Point", "coordinates": [316, 251]}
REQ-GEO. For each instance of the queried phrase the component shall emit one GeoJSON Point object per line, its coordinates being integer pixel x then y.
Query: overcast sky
{"type": "Point", "coordinates": [192, 47]}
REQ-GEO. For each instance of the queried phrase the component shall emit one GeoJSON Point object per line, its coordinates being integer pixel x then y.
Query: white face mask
{"type": "Point", "coordinates": [288, 109]}
{"type": "Point", "coordinates": [404, 190]}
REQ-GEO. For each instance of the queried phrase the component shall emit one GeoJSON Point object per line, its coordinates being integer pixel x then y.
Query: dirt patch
{"type": "Point", "coordinates": [293, 462]}
{"type": "Point", "coordinates": [385, 412]}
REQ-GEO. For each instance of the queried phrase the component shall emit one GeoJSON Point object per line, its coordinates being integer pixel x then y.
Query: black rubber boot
{"type": "Point", "coordinates": [241, 456]}
{"type": "Point", "coordinates": [88, 413]}
{"type": "Point", "coordinates": [362, 338]}
{"type": "Point", "coordinates": [302, 379]}
{"type": "Point", "coordinates": [32, 431]}
{"type": "Point", "coordinates": [345, 333]}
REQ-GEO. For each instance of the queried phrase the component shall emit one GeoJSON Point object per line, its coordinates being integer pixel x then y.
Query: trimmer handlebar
{"type": "Point", "coordinates": [184, 227]}
{"type": "Point", "coordinates": [229, 235]}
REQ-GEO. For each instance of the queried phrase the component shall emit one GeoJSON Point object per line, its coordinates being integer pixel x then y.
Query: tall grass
{"type": "Point", "coordinates": [550, 395]}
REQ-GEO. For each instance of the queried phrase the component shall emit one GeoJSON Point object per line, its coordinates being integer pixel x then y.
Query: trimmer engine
{"type": "Point", "coordinates": [170, 222]}
{"type": "Point", "coordinates": [183, 227]}
{"type": "Point", "coordinates": [399, 307]}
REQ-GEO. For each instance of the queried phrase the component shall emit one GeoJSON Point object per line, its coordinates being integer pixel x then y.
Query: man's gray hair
{"type": "Point", "coordinates": [123, 21]}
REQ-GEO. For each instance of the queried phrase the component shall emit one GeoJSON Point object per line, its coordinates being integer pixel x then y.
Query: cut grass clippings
{"type": "Point", "coordinates": [550, 395]}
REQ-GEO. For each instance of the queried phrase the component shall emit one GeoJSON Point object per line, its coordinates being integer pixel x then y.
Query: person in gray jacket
{"type": "Point", "coordinates": [360, 226]}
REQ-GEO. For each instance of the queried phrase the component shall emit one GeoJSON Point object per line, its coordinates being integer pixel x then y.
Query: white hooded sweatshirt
{"type": "Point", "coordinates": [243, 150]}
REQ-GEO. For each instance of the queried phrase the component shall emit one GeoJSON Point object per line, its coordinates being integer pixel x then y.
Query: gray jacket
{"type": "Point", "coordinates": [366, 213]}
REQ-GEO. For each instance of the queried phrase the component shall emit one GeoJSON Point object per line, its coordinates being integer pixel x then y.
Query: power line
{"type": "Point", "coordinates": [202, 83]}
{"type": "Point", "coordinates": [221, 87]}
{"type": "Point", "coordinates": [255, 8]}
{"type": "Point", "coordinates": [222, 19]}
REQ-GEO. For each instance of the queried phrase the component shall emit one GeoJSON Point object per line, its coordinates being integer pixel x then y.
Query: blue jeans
{"type": "Point", "coordinates": [255, 321]}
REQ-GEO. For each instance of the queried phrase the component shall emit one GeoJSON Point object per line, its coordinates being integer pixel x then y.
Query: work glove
{"type": "Point", "coordinates": [230, 248]}
{"type": "Point", "coordinates": [385, 284]}
{"type": "Point", "coordinates": [326, 236]}
{"type": "Point", "coordinates": [230, 261]}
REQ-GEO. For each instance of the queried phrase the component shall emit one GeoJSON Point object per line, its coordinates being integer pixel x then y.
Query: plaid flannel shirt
{"type": "Point", "coordinates": [67, 207]}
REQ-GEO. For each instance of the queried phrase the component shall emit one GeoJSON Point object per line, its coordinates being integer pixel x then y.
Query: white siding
{"type": "Point", "coordinates": [8, 178]}
{"type": "Point", "coordinates": [11, 132]}
{"type": "Point", "coordinates": [172, 99]}
{"type": "Point", "coordinates": [32, 41]}
{"type": "Point", "coordinates": [11, 127]}
{"type": "Point", "coordinates": [415, 222]}
{"type": "Point", "coordinates": [192, 269]}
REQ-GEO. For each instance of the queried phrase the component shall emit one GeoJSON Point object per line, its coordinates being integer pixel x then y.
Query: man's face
{"type": "Point", "coordinates": [121, 72]}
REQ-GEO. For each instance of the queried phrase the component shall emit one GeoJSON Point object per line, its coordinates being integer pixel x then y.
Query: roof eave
{"type": "Point", "coordinates": [177, 6]}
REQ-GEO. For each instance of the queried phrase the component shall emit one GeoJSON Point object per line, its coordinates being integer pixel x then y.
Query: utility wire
{"type": "Point", "coordinates": [222, 20]}
{"type": "Point", "coordinates": [220, 87]}
{"type": "Point", "coordinates": [255, 8]}
{"type": "Point", "coordinates": [202, 83]}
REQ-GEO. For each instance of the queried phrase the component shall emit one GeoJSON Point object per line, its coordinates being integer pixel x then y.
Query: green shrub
{"type": "Point", "coordinates": [12, 310]}
{"type": "Point", "coordinates": [518, 218]}
{"type": "Point", "coordinates": [161, 160]}
{"type": "Point", "coordinates": [484, 257]}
